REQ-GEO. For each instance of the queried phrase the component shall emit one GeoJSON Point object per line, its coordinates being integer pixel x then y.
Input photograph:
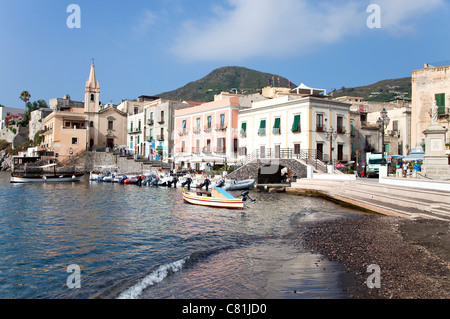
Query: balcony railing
{"type": "Point", "coordinates": [160, 138]}
{"type": "Point", "coordinates": [298, 130]}
{"type": "Point", "coordinates": [221, 127]}
{"type": "Point", "coordinates": [197, 131]}
{"type": "Point", "coordinates": [161, 121]}
{"type": "Point", "coordinates": [208, 129]}
{"type": "Point", "coordinates": [340, 130]}
{"type": "Point", "coordinates": [262, 132]}
{"type": "Point", "coordinates": [320, 129]}
{"type": "Point", "coordinates": [183, 132]}
{"type": "Point", "coordinates": [134, 131]}
{"type": "Point", "coordinates": [276, 131]}
{"type": "Point", "coordinates": [150, 122]}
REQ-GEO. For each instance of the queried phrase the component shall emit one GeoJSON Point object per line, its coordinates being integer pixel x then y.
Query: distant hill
{"type": "Point", "coordinates": [228, 79]}
{"type": "Point", "coordinates": [382, 91]}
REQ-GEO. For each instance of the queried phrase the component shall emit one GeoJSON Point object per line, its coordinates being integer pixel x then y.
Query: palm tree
{"type": "Point", "coordinates": [25, 96]}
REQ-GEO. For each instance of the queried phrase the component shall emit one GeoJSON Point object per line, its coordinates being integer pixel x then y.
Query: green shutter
{"type": "Point", "coordinates": [262, 127]}
{"type": "Point", "coordinates": [296, 125]}
{"type": "Point", "coordinates": [276, 126]}
{"type": "Point", "coordinates": [243, 128]}
{"type": "Point", "coordinates": [440, 101]}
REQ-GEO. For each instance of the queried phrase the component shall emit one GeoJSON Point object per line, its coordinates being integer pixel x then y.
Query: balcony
{"type": "Point", "coordinates": [161, 121]}
{"type": "Point", "coordinates": [298, 130]}
{"type": "Point", "coordinates": [220, 150]}
{"type": "Point", "coordinates": [197, 131]}
{"type": "Point", "coordinates": [340, 130]}
{"type": "Point", "coordinates": [196, 151]}
{"type": "Point", "coordinates": [243, 134]}
{"type": "Point", "coordinates": [135, 131]}
{"type": "Point", "coordinates": [221, 127]}
{"type": "Point", "coordinates": [183, 132]}
{"type": "Point", "coordinates": [160, 138]}
{"type": "Point", "coordinates": [276, 131]}
{"type": "Point", "coordinates": [150, 122]}
{"type": "Point", "coordinates": [262, 132]}
{"type": "Point", "coordinates": [208, 129]}
{"type": "Point", "coordinates": [320, 129]}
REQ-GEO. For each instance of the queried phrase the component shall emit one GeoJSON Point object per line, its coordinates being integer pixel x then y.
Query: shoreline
{"type": "Point", "coordinates": [413, 255]}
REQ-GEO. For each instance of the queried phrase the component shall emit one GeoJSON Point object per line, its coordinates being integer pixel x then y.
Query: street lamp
{"type": "Point", "coordinates": [331, 135]}
{"type": "Point", "coordinates": [383, 122]}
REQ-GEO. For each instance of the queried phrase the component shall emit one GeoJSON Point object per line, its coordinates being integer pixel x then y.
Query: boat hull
{"type": "Point", "coordinates": [47, 178]}
{"type": "Point", "coordinates": [193, 198]}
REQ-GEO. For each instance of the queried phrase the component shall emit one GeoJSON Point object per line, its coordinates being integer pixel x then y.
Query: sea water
{"type": "Point", "coordinates": [143, 242]}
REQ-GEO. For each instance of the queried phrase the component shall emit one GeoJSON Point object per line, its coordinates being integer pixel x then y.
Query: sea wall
{"type": "Point", "coordinates": [94, 161]}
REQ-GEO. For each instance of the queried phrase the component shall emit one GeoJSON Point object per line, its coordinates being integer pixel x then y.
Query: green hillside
{"type": "Point", "coordinates": [228, 79]}
{"type": "Point", "coordinates": [382, 91]}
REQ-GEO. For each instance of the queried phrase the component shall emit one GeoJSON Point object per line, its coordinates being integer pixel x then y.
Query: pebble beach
{"type": "Point", "coordinates": [413, 255]}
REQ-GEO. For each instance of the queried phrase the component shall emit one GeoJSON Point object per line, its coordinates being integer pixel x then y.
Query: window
{"type": "Point", "coordinates": [110, 125]}
{"type": "Point", "coordinates": [162, 117]}
{"type": "Point", "coordinates": [198, 124]}
{"type": "Point", "coordinates": [296, 128]}
{"type": "Point", "coordinates": [340, 125]}
{"type": "Point", "coordinates": [221, 146]}
{"type": "Point", "coordinates": [139, 126]}
{"type": "Point", "coordinates": [131, 128]}
{"type": "Point", "coordinates": [351, 128]}
{"type": "Point", "coordinates": [67, 124]}
{"type": "Point", "coordinates": [151, 134]}
{"type": "Point", "coordinates": [262, 128]}
{"type": "Point", "coordinates": [276, 126]}
{"type": "Point", "coordinates": [92, 97]}
{"type": "Point", "coordinates": [209, 121]}
{"type": "Point", "coordinates": [244, 130]}
{"type": "Point", "coordinates": [319, 123]}
{"type": "Point", "coordinates": [440, 101]}
{"type": "Point", "coordinates": [91, 124]}
{"type": "Point", "coordinates": [395, 126]}
{"type": "Point", "coordinates": [296, 149]}
{"type": "Point", "coordinates": [74, 140]}
{"type": "Point", "coordinates": [183, 127]}
{"type": "Point", "coordinates": [222, 120]}
{"type": "Point", "coordinates": [136, 110]}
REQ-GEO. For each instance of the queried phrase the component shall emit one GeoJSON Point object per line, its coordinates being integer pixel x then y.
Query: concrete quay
{"type": "Point", "coordinates": [397, 197]}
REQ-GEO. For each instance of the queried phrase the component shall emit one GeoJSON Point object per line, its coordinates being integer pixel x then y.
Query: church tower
{"type": "Point", "coordinates": [92, 93]}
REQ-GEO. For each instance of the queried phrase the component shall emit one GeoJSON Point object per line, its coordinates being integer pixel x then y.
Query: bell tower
{"type": "Point", "coordinates": [92, 93]}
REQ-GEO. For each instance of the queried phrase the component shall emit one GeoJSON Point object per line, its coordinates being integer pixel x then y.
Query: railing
{"type": "Point", "coordinates": [221, 127]}
{"type": "Point", "coordinates": [160, 137]}
{"type": "Point", "coordinates": [150, 122]}
{"type": "Point", "coordinates": [311, 157]}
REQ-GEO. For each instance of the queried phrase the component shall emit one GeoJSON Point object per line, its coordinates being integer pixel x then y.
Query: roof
{"type": "Point", "coordinates": [303, 89]}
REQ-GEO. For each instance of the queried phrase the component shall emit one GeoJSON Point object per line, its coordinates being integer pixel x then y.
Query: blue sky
{"type": "Point", "coordinates": [150, 47]}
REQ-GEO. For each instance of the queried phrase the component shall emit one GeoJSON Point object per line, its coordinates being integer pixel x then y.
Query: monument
{"type": "Point", "coordinates": [435, 161]}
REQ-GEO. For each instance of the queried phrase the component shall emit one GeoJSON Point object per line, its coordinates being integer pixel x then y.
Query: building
{"type": "Point", "coordinates": [70, 131]}
{"type": "Point", "coordinates": [430, 84]}
{"type": "Point", "coordinates": [37, 123]}
{"type": "Point", "coordinates": [65, 103]}
{"type": "Point", "coordinates": [6, 111]}
{"type": "Point", "coordinates": [294, 123]}
{"type": "Point", "coordinates": [160, 129]}
{"type": "Point", "coordinates": [207, 134]}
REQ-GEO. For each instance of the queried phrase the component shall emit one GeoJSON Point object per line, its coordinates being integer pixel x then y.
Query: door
{"type": "Point", "coordinates": [319, 154]}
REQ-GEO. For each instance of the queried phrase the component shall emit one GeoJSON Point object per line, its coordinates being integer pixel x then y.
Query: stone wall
{"type": "Point", "coordinates": [250, 170]}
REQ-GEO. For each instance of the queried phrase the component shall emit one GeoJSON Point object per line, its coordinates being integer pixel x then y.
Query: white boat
{"type": "Point", "coordinates": [65, 178]}
{"type": "Point", "coordinates": [216, 198]}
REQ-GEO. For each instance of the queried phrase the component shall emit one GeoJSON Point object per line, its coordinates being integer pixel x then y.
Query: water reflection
{"type": "Point", "coordinates": [119, 234]}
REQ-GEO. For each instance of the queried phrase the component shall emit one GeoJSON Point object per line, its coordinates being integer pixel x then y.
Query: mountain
{"type": "Point", "coordinates": [382, 91]}
{"type": "Point", "coordinates": [228, 79]}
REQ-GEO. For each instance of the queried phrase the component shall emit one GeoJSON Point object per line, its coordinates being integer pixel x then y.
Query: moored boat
{"type": "Point", "coordinates": [239, 185]}
{"type": "Point", "coordinates": [64, 178]}
{"type": "Point", "coordinates": [218, 197]}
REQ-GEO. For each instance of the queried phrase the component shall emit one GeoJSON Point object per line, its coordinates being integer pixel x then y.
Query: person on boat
{"type": "Point", "coordinates": [205, 183]}
{"type": "Point", "coordinates": [187, 182]}
{"type": "Point", "coordinates": [175, 181]}
{"type": "Point", "coordinates": [139, 181]}
{"type": "Point", "coordinates": [221, 183]}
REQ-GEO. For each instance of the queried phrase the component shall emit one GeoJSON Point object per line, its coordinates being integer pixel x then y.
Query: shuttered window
{"type": "Point", "coordinates": [262, 128]}
{"type": "Point", "coordinates": [276, 126]}
{"type": "Point", "coordinates": [296, 125]}
{"type": "Point", "coordinates": [440, 101]}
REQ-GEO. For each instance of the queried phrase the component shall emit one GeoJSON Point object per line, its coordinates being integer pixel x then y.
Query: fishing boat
{"type": "Point", "coordinates": [218, 197]}
{"type": "Point", "coordinates": [65, 178]}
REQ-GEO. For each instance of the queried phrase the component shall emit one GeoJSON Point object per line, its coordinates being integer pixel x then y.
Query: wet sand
{"type": "Point", "coordinates": [413, 256]}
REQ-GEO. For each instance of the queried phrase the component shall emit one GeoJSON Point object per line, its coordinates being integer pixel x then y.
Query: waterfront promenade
{"type": "Point", "coordinates": [399, 197]}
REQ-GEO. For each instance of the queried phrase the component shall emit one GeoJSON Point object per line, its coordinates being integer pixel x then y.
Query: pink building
{"type": "Point", "coordinates": [207, 134]}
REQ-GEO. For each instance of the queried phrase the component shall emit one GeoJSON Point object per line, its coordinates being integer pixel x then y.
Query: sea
{"type": "Point", "coordinates": [102, 240]}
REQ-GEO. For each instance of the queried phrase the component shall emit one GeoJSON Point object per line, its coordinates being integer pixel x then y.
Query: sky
{"type": "Point", "coordinates": [149, 47]}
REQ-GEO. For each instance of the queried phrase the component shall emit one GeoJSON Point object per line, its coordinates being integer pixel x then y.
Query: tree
{"type": "Point", "coordinates": [25, 96]}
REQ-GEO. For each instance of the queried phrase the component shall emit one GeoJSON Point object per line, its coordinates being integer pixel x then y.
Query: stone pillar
{"type": "Point", "coordinates": [435, 162]}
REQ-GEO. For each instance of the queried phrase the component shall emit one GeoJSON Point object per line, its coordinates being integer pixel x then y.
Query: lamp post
{"type": "Point", "coordinates": [331, 135]}
{"type": "Point", "coordinates": [383, 121]}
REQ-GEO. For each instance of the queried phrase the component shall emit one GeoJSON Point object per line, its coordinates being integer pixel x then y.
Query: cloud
{"type": "Point", "coordinates": [254, 28]}
{"type": "Point", "coordinates": [145, 20]}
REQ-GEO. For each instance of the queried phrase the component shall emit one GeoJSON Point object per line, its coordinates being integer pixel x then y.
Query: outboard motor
{"type": "Point", "coordinates": [221, 183]}
{"type": "Point", "coordinates": [245, 195]}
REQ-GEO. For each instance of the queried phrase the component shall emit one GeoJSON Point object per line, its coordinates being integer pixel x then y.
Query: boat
{"type": "Point", "coordinates": [239, 185]}
{"type": "Point", "coordinates": [218, 197]}
{"type": "Point", "coordinates": [64, 178]}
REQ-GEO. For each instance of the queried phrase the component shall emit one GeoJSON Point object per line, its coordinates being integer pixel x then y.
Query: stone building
{"type": "Point", "coordinates": [429, 84]}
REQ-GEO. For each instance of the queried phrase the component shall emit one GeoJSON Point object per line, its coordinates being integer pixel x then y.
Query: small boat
{"type": "Point", "coordinates": [218, 197]}
{"type": "Point", "coordinates": [64, 178]}
{"type": "Point", "coordinates": [239, 185]}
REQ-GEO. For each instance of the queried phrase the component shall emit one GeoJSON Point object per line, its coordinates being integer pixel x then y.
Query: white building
{"type": "Point", "coordinates": [295, 124]}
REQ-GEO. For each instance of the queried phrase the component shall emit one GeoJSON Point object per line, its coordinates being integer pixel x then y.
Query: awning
{"type": "Point", "coordinates": [414, 157]}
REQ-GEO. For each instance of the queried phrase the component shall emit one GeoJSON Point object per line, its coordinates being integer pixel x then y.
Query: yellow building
{"type": "Point", "coordinates": [73, 131]}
